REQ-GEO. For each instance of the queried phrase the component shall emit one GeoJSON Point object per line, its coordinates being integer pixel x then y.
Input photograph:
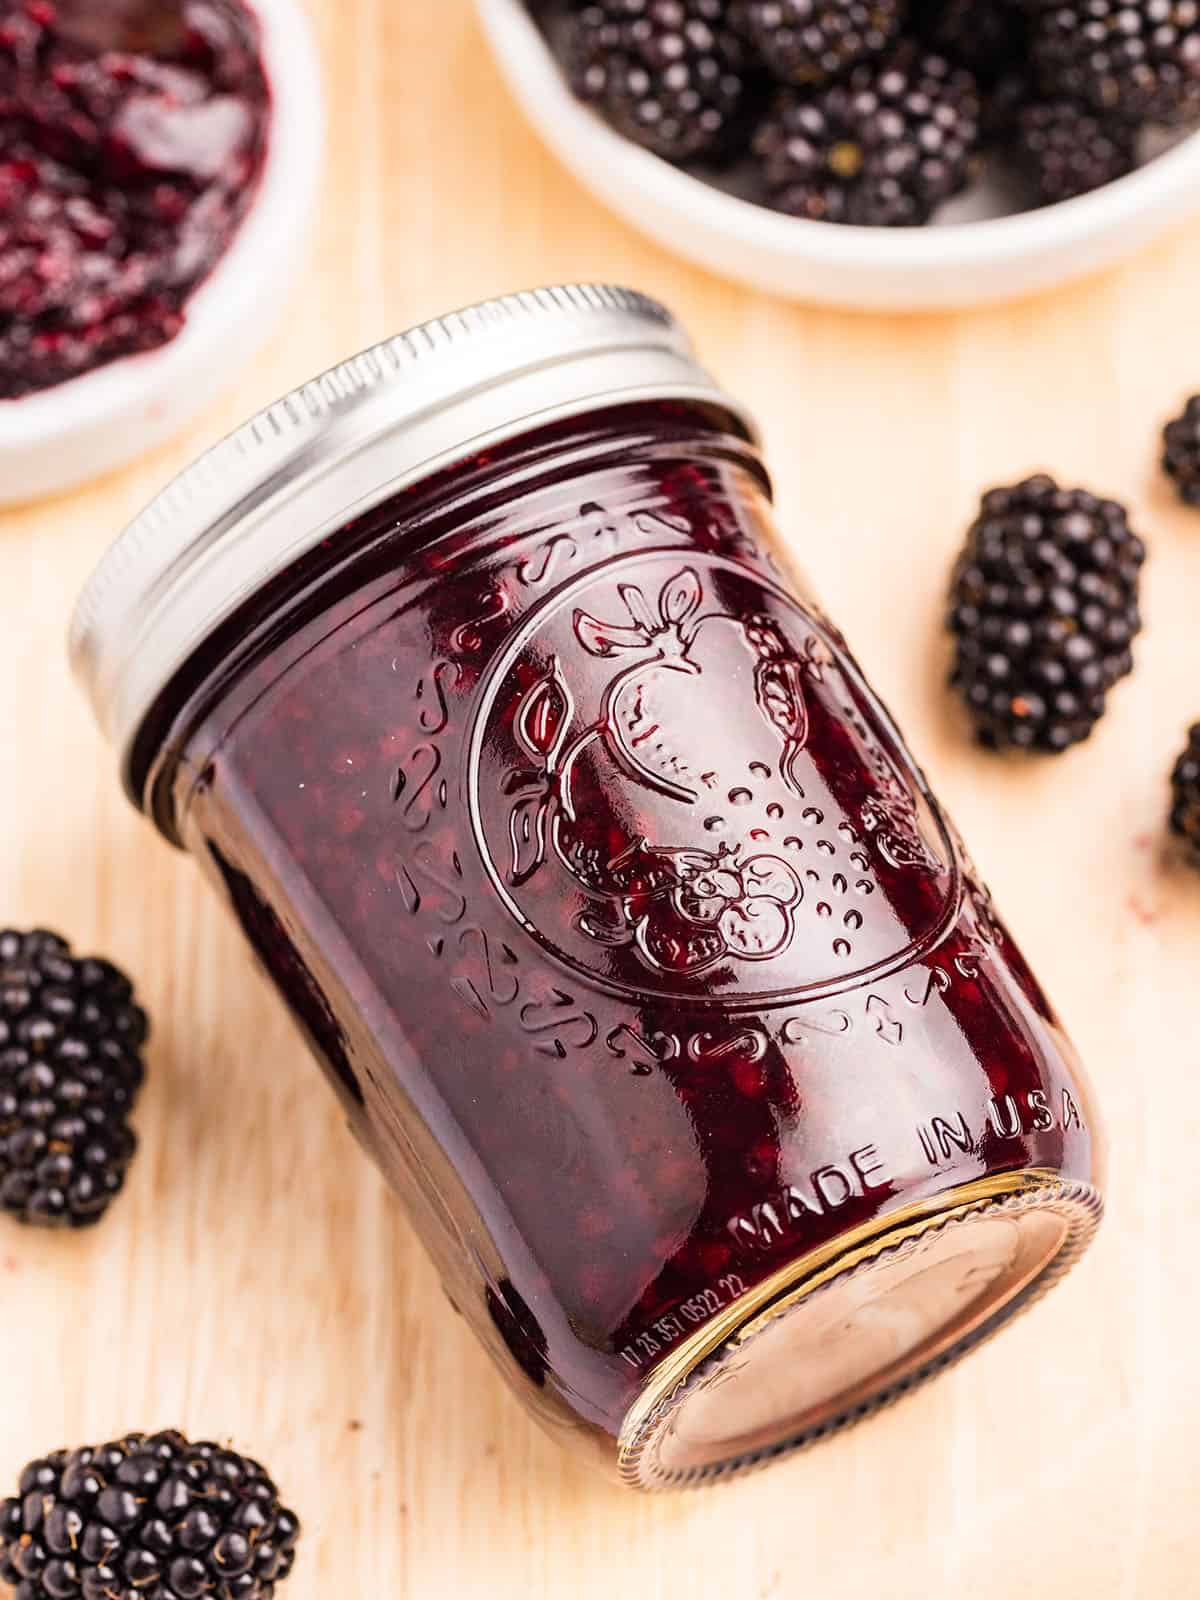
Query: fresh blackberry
{"type": "Point", "coordinates": [1044, 609]}
{"type": "Point", "coordinates": [1067, 149]}
{"type": "Point", "coordinates": [1181, 451]}
{"type": "Point", "coordinates": [146, 1518]}
{"type": "Point", "coordinates": [668, 74]}
{"type": "Point", "coordinates": [811, 42]}
{"type": "Point", "coordinates": [988, 36]}
{"type": "Point", "coordinates": [1136, 59]}
{"type": "Point", "coordinates": [884, 148]}
{"type": "Point", "coordinates": [1185, 796]}
{"type": "Point", "coordinates": [70, 1070]}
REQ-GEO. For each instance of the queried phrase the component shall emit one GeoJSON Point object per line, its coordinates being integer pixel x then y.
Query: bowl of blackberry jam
{"type": "Point", "coordinates": [902, 154]}
{"type": "Point", "coordinates": [605, 890]}
{"type": "Point", "coordinates": [157, 163]}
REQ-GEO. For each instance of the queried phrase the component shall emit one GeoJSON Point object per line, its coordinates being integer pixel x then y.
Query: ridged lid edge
{"type": "Point", "coordinates": [343, 442]}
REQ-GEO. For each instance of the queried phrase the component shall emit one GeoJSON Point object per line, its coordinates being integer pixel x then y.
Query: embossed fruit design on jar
{"type": "Point", "coordinates": [759, 845]}
{"type": "Point", "coordinates": [600, 882]}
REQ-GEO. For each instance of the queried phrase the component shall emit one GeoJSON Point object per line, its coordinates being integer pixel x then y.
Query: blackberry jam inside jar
{"type": "Point", "coordinates": [600, 882]}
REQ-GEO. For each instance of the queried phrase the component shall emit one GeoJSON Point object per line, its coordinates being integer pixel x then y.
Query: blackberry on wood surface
{"type": "Point", "coordinates": [146, 1518]}
{"type": "Point", "coordinates": [1181, 452]}
{"type": "Point", "coordinates": [70, 1070]}
{"type": "Point", "coordinates": [1044, 610]}
{"type": "Point", "coordinates": [1185, 796]}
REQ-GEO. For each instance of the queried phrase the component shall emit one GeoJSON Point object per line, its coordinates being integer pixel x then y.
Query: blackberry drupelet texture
{"type": "Point", "coordinates": [883, 148]}
{"type": "Point", "coordinates": [1044, 610]}
{"type": "Point", "coordinates": [146, 1518]}
{"type": "Point", "coordinates": [70, 1070]}
{"type": "Point", "coordinates": [1185, 796]}
{"type": "Point", "coordinates": [1181, 452]}
{"type": "Point", "coordinates": [669, 74]}
{"type": "Point", "coordinates": [1067, 149]}
{"type": "Point", "coordinates": [811, 42]}
{"type": "Point", "coordinates": [1136, 59]}
{"type": "Point", "coordinates": [988, 36]}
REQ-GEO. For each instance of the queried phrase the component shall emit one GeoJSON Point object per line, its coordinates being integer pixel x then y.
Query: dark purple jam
{"type": "Point", "coordinates": [132, 139]}
{"type": "Point", "coordinates": [608, 894]}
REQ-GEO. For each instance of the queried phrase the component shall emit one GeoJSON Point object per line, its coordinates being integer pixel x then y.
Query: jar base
{"type": "Point", "coordinates": [843, 1332]}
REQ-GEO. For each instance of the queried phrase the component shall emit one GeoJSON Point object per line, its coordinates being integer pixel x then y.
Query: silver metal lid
{"type": "Point", "coordinates": [344, 443]}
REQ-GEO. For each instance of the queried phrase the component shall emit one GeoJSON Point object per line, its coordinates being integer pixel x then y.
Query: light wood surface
{"type": "Point", "coordinates": [257, 1281]}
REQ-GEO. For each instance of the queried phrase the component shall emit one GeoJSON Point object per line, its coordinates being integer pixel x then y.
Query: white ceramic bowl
{"type": "Point", "coordinates": [971, 255]}
{"type": "Point", "coordinates": [56, 439]}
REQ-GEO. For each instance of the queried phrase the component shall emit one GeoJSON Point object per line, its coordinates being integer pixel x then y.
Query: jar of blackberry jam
{"type": "Point", "coordinates": [600, 882]}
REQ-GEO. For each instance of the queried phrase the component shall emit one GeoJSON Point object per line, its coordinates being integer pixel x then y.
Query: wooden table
{"type": "Point", "coordinates": [258, 1282]}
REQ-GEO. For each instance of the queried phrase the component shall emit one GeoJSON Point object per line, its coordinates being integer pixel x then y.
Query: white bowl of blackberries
{"type": "Point", "coordinates": [900, 154]}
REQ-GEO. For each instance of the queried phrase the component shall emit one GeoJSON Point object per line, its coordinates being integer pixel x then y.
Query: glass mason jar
{"type": "Point", "coordinates": [602, 885]}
